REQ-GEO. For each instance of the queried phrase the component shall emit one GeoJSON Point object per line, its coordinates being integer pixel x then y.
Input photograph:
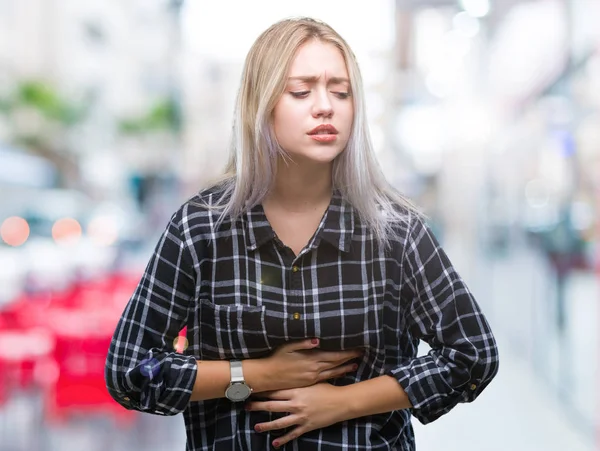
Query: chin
{"type": "Point", "coordinates": [319, 156]}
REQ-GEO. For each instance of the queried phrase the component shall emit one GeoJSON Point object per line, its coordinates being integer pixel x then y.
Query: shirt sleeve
{"type": "Point", "coordinates": [143, 370]}
{"type": "Point", "coordinates": [442, 311]}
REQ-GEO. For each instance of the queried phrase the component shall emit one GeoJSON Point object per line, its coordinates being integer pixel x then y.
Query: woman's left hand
{"type": "Point", "coordinates": [309, 408]}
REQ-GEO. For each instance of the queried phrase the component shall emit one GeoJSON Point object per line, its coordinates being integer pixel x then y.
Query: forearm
{"type": "Point", "coordinates": [213, 377]}
{"type": "Point", "coordinates": [379, 395]}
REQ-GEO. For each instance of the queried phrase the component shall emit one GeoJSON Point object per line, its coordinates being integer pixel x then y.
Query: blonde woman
{"type": "Point", "coordinates": [305, 281]}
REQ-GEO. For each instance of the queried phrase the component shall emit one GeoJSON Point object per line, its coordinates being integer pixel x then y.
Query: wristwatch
{"type": "Point", "coordinates": [237, 390]}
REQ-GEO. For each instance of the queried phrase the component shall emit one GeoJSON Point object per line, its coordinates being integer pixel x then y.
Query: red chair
{"type": "Point", "coordinates": [58, 342]}
{"type": "Point", "coordinates": [21, 350]}
{"type": "Point", "coordinates": [80, 354]}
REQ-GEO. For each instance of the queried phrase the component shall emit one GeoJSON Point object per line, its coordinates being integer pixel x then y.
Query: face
{"type": "Point", "coordinates": [313, 118]}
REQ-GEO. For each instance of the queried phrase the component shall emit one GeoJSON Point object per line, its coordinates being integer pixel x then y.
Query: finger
{"type": "Point", "coordinates": [281, 423]}
{"type": "Point", "coordinates": [301, 345]}
{"type": "Point", "coordinates": [338, 357]}
{"type": "Point", "coordinates": [282, 395]}
{"type": "Point", "coordinates": [337, 372]}
{"type": "Point", "coordinates": [292, 435]}
{"type": "Point", "coordinates": [269, 406]}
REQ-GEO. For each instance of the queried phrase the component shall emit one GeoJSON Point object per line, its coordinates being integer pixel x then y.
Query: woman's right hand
{"type": "Point", "coordinates": [301, 364]}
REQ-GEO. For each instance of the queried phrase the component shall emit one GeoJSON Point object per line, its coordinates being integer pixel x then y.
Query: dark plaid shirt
{"type": "Point", "coordinates": [242, 293]}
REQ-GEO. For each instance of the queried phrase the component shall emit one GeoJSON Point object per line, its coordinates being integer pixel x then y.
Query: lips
{"type": "Point", "coordinates": [324, 129]}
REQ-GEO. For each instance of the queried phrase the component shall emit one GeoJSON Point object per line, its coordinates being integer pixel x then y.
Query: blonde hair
{"type": "Point", "coordinates": [254, 150]}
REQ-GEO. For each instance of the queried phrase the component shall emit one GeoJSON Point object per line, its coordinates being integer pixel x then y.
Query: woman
{"type": "Point", "coordinates": [305, 281]}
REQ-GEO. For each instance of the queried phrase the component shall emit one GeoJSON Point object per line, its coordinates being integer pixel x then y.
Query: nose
{"type": "Point", "coordinates": [322, 106]}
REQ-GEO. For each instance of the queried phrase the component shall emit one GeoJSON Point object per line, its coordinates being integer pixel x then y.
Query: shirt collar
{"type": "Point", "coordinates": [337, 229]}
{"type": "Point", "coordinates": [339, 223]}
{"type": "Point", "coordinates": [258, 228]}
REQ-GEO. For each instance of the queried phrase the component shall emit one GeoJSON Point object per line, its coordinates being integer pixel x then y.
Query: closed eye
{"type": "Point", "coordinates": [300, 94]}
{"type": "Point", "coordinates": [342, 95]}
{"type": "Point", "coordinates": [303, 94]}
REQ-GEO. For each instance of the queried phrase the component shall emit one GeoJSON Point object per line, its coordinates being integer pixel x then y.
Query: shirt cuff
{"type": "Point", "coordinates": [157, 386]}
{"type": "Point", "coordinates": [430, 396]}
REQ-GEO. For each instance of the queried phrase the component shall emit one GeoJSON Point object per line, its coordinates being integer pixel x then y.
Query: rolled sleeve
{"type": "Point", "coordinates": [143, 370]}
{"type": "Point", "coordinates": [442, 311]}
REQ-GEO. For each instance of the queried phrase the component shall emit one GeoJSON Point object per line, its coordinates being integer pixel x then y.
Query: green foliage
{"type": "Point", "coordinates": [45, 99]}
{"type": "Point", "coordinates": [163, 116]}
{"type": "Point", "coordinates": [41, 96]}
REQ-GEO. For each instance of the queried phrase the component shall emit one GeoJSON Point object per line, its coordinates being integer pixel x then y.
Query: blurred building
{"type": "Point", "coordinates": [501, 128]}
{"type": "Point", "coordinates": [115, 63]}
{"type": "Point", "coordinates": [210, 87]}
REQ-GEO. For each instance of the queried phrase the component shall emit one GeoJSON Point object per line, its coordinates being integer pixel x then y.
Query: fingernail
{"type": "Point", "coordinates": [276, 444]}
{"type": "Point", "coordinates": [354, 367]}
{"type": "Point", "coordinates": [315, 341]}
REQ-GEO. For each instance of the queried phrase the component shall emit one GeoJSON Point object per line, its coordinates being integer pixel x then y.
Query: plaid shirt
{"type": "Point", "coordinates": [242, 293]}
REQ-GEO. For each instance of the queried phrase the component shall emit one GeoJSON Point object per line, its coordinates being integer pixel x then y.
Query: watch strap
{"type": "Point", "coordinates": [237, 374]}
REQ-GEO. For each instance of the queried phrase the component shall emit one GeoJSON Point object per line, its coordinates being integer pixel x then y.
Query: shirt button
{"type": "Point", "coordinates": [295, 268]}
{"type": "Point", "coordinates": [297, 316]}
{"type": "Point", "coordinates": [473, 387]}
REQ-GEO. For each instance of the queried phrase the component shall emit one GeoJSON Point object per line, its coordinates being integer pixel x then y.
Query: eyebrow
{"type": "Point", "coordinates": [314, 79]}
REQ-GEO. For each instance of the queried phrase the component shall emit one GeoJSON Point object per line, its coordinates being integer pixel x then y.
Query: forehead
{"type": "Point", "coordinates": [315, 58]}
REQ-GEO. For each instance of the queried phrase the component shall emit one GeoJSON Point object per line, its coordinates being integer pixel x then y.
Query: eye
{"type": "Point", "coordinates": [342, 95]}
{"type": "Point", "coordinates": [300, 94]}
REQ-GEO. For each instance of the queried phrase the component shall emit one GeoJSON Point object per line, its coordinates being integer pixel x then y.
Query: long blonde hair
{"type": "Point", "coordinates": [254, 151]}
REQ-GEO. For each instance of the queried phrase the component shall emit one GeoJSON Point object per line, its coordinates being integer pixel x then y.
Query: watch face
{"type": "Point", "coordinates": [237, 392]}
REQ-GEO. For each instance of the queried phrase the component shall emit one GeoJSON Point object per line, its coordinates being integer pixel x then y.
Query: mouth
{"type": "Point", "coordinates": [322, 138]}
{"type": "Point", "coordinates": [323, 130]}
{"type": "Point", "coordinates": [324, 133]}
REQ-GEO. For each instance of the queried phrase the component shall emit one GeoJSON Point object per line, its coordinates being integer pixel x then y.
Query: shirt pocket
{"type": "Point", "coordinates": [232, 331]}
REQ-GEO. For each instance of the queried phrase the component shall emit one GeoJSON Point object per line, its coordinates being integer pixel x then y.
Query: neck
{"type": "Point", "coordinates": [299, 188]}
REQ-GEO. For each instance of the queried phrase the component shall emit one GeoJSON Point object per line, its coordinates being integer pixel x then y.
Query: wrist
{"type": "Point", "coordinates": [255, 374]}
{"type": "Point", "coordinates": [346, 404]}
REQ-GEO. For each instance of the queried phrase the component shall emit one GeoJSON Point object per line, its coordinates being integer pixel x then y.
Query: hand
{"type": "Point", "coordinates": [309, 408]}
{"type": "Point", "coordinates": [300, 364]}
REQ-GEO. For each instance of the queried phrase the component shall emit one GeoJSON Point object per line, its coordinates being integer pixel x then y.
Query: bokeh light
{"type": "Point", "coordinates": [66, 230]}
{"type": "Point", "coordinates": [14, 231]}
{"type": "Point", "coordinates": [476, 8]}
{"type": "Point", "coordinates": [103, 231]}
{"type": "Point", "coordinates": [180, 343]}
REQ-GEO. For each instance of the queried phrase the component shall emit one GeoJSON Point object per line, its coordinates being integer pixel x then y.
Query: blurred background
{"type": "Point", "coordinates": [113, 113]}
